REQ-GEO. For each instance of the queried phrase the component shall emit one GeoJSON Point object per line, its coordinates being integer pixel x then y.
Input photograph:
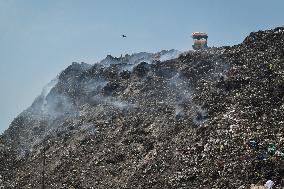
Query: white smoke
{"type": "Point", "coordinates": [127, 62]}
{"type": "Point", "coordinates": [52, 103]}
{"type": "Point", "coordinates": [200, 115]}
{"type": "Point", "coordinates": [168, 55]}
{"type": "Point", "coordinates": [46, 90]}
{"type": "Point", "coordinates": [182, 91]}
{"type": "Point", "coordinates": [112, 101]}
{"type": "Point", "coordinates": [94, 85]}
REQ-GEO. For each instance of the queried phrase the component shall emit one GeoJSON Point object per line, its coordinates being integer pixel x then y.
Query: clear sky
{"type": "Point", "coordinates": [38, 38]}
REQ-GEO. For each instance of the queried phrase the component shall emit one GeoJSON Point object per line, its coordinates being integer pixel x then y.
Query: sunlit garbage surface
{"type": "Point", "coordinates": [210, 118]}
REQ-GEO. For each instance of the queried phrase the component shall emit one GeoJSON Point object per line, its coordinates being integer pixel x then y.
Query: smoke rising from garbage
{"type": "Point", "coordinates": [210, 116]}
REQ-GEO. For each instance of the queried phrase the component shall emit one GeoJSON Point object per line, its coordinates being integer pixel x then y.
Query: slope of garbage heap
{"type": "Point", "coordinates": [207, 119]}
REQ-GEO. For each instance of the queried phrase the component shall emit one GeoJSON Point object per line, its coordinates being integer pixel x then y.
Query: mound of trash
{"type": "Point", "coordinates": [210, 118]}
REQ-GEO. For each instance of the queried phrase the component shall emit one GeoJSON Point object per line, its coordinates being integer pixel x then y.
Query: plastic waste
{"type": "Point", "coordinates": [269, 184]}
{"type": "Point", "coordinates": [271, 149]}
{"type": "Point", "coordinates": [263, 156]}
{"type": "Point", "coordinates": [254, 144]}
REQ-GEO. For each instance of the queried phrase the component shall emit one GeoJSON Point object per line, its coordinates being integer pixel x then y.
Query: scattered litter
{"type": "Point", "coordinates": [254, 144]}
{"type": "Point", "coordinates": [263, 156]}
{"type": "Point", "coordinates": [269, 184]}
{"type": "Point", "coordinates": [209, 116]}
{"type": "Point", "coordinates": [271, 149]}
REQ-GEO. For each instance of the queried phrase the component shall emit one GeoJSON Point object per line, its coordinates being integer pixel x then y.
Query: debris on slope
{"type": "Point", "coordinates": [206, 119]}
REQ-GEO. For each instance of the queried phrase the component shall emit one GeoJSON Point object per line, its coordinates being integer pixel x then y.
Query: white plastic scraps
{"type": "Point", "coordinates": [269, 184]}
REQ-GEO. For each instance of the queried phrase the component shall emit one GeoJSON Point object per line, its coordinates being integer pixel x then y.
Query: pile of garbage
{"type": "Point", "coordinates": [208, 119]}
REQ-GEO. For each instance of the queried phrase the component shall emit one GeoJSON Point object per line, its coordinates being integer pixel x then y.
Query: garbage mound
{"type": "Point", "coordinates": [206, 119]}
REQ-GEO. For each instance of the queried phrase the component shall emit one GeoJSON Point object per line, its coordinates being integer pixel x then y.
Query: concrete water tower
{"type": "Point", "coordinates": [199, 40]}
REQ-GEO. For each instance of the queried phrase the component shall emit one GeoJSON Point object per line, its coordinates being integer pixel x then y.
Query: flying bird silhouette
{"type": "Point", "coordinates": [123, 35]}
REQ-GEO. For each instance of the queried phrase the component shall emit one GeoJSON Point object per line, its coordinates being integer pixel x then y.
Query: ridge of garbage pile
{"type": "Point", "coordinates": [207, 119]}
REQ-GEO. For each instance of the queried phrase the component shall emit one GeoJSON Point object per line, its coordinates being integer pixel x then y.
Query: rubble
{"type": "Point", "coordinates": [207, 119]}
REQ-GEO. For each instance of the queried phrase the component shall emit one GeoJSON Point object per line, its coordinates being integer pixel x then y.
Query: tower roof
{"type": "Point", "coordinates": [199, 34]}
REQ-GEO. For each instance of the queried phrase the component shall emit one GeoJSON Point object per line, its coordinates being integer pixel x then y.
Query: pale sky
{"type": "Point", "coordinates": [38, 39]}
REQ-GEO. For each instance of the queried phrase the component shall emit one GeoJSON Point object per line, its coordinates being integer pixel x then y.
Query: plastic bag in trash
{"type": "Point", "coordinates": [254, 144]}
{"type": "Point", "coordinates": [263, 156]}
{"type": "Point", "coordinates": [271, 149]}
{"type": "Point", "coordinates": [269, 184]}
